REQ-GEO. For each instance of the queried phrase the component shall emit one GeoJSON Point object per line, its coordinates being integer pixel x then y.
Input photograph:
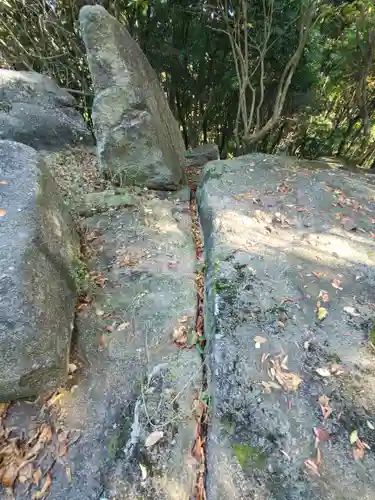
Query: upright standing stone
{"type": "Point", "coordinates": [138, 139]}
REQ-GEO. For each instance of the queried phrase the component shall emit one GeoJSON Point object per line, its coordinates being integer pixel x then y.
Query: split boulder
{"type": "Point", "coordinates": [38, 248]}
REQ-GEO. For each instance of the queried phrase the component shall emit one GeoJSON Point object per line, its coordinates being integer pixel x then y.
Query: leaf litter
{"type": "Point", "coordinates": [281, 377]}
{"type": "Point", "coordinates": [22, 456]}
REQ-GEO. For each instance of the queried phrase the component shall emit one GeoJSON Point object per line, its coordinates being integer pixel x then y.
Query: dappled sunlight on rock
{"type": "Point", "coordinates": [290, 271]}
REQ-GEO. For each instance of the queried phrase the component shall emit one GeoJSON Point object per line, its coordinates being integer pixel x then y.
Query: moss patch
{"type": "Point", "coordinates": [248, 455]}
{"type": "Point", "coordinates": [80, 275]}
{"type": "Point", "coordinates": [371, 335]}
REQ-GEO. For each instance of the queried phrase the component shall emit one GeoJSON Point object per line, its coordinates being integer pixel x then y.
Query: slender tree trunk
{"type": "Point", "coordinates": [346, 136]}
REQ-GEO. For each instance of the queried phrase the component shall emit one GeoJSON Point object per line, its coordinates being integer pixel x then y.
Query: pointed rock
{"type": "Point", "coordinates": [138, 139]}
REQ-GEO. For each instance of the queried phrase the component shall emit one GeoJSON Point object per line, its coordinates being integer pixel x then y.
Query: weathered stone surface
{"type": "Point", "coordinates": [38, 247]}
{"type": "Point", "coordinates": [138, 139]}
{"type": "Point", "coordinates": [36, 112]}
{"type": "Point", "coordinates": [135, 379]}
{"type": "Point", "coordinates": [277, 234]}
{"type": "Point", "coordinates": [202, 154]}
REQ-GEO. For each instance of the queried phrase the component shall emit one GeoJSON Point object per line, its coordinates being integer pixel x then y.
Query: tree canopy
{"type": "Point", "coordinates": [294, 76]}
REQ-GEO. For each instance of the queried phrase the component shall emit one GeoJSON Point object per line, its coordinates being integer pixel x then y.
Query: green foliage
{"type": "Point", "coordinates": [249, 455]}
{"type": "Point", "coordinates": [329, 107]}
{"type": "Point", "coordinates": [81, 278]}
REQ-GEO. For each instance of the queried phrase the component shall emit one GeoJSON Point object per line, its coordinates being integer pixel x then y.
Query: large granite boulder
{"type": "Point", "coordinates": [38, 247]}
{"type": "Point", "coordinates": [290, 287]}
{"type": "Point", "coordinates": [138, 139]}
{"type": "Point", "coordinates": [36, 112]}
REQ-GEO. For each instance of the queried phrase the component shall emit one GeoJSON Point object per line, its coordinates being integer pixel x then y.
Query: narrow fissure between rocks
{"type": "Point", "coordinates": [199, 448]}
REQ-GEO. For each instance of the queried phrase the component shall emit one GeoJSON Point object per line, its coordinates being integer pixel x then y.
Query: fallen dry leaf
{"type": "Point", "coordinates": [336, 284]}
{"type": "Point", "coordinates": [323, 400]}
{"type": "Point", "coordinates": [318, 458]}
{"type": "Point", "coordinates": [25, 473]}
{"type": "Point", "coordinates": [72, 367]}
{"type": "Point", "coordinates": [153, 438]}
{"type": "Point", "coordinates": [353, 437]}
{"type": "Point", "coordinates": [321, 434]}
{"type": "Point", "coordinates": [268, 386]}
{"type": "Point", "coordinates": [351, 311]}
{"type": "Point", "coordinates": [45, 487]}
{"type": "Point", "coordinates": [259, 340]}
{"type": "Point", "coordinates": [9, 475]}
{"type": "Point", "coordinates": [2, 212]}
{"type": "Point", "coordinates": [370, 425]}
{"type": "Point", "coordinates": [289, 381]}
{"type": "Point", "coordinates": [324, 406]}
{"type": "Point", "coordinates": [358, 453]}
{"type": "Point", "coordinates": [321, 313]}
{"type": "Point", "coordinates": [3, 408]}
{"type": "Point", "coordinates": [323, 295]}
{"type": "Point", "coordinates": [68, 474]}
{"type": "Point", "coordinates": [62, 450]}
{"type": "Point", "coordinates": [180, 335]}
{"type": "Point", "coordinates": [312, 466]}
{"type": "Point", "coordinates": [336, 369]}
{"type": "Point", "coordinates": [317, 275]}
{"type": "Point", "coordinates": [54, 399]}
{"type": "Point", "coordinates": [37, 476]}
{"type": "Point", "coordinates": [323, 372]}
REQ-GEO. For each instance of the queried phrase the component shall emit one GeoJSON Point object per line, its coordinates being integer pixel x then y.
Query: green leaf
{"type": "Point", "coordinates": [322, 313]}
{"type": "Point", "coordinates": [353, 437]}
{"type": "Point", "coordinates": [205, 398]}
{"type": "Point", "coordinates": [199, 348]}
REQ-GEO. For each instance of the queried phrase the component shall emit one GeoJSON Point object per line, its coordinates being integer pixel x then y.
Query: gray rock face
{"type": "Point", "coordinates": [137, 381]}
{"type": "Point", "coordinates": [138, 139]}
{"type": "Point", "coordinates": [37, 250]}
{"type": "Point", "coordinates": [283, 239]}
{"type": "Point", "coordinates": [36, 112]}
{"type": "Point", "coordinates": [203, 154]}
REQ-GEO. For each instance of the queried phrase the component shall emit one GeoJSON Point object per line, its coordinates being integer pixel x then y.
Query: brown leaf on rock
{"type": "Point", "coordinates": [336, 284]}
{"type": "Point", "coordinates": [25, 473]}
{"type": "Point", "coordinates": [317, 275]}
{"type": "Point", "coordinates": [41, 493]}
{"type": "Point", "coordinates": [312, 466]}
{"type": "Point", "coordinates": [288, 380]}
{"type": "Point", "coordinates": [323, 295]}
{"type": "Point", "coordinates": [358, 453]}
{"type": "Point", "coordinates": [323, 400]}
{"type": "Point", "coordinates": [8, 474]}
{"type": "Point", "coordinates": [318, 458]}
{"type": "Point", "coordinates": [54, 399]}
{"type": "Point", "coordinates": [321, 434]}
{"type": "Point", "coordinates": [180, 335]}
{"type": "Point", "coordinates": [63, 449]}
{"type": "Point", "coordinates": [37, 476]}
{"type": "Point", "coordinates": [325, 407]}
{"type": "Point", "coordinates": [3, 408]}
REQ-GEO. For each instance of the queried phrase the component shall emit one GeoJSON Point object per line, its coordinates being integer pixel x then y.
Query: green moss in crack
{"type": "Point", "coordinates": [227, 288]}
{"type": "Point", "coordinates": [248, 455]}
{"type": "Point", "coordinates": [80, 275]}
{"type": "Point", "coordinates": [213, 172]}
{"type": "Point", "coordinates": [334, 358]}
{"type": "Point", "coordinates": [371, 335]}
